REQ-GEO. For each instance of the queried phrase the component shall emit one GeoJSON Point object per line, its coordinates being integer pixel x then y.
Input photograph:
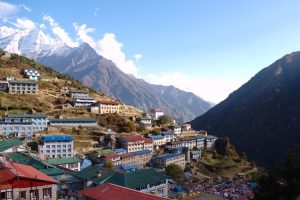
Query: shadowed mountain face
{"type": "Point", "coordinates": [86, 65]}
{"type": "Point", "coordinates": [261, 118]}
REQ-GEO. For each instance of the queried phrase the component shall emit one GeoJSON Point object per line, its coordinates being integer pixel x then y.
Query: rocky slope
{"type": "Point", "coordinates": [86, 65]}
{"type": "Point", "coordinates": [261, 118]}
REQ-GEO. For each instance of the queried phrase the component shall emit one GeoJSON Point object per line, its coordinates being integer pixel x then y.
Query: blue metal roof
{"type": "Point", "coordinates": [196, 152]}
{"type": "Point", "coordinates": [120, 150]}
{"type": "Point", "coordinates": [27, 116]}
{"type": "Point", "coordinates": [169, 155]}
{"type": "Point", "coordinates": [179, 149]}
{"type": "Point", "coordinates": [127, 167]}
{"type": "Point", "coordinates": [84, 120]}
{"type": "Point", "coordinates": [156, 137]}
{"type": "Point", "coordinates": [57, 138]}
{"type": "Point", "coordinates": [167, 133]}
{"type": "Point", "coordinates": [142, 152]}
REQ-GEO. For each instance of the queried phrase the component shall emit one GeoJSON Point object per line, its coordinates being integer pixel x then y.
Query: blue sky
{"type": "Point", "coordinates": [209, 47]}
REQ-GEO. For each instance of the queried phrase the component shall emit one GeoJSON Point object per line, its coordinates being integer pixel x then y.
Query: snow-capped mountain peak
{"type": "Point", "coordinates": [30, 42]}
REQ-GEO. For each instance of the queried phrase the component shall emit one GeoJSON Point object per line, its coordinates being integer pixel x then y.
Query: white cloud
{"type": "Point", "coordinates": [96, 11]}
{"type": "Point", "coordinates": [25, 7]}
{"type": "Point", "coordinates": [211, 89]}
{"type": "Point", "coordinates": [23, 23]}
{"type": "Point", "coordinates": [7, 10]}
{"type": "Point", "coordinates": [108, 47]}
{"type": "Point", "coordinates": [59, 32]}
{"type": "Point", "coordinates": [137, 57]}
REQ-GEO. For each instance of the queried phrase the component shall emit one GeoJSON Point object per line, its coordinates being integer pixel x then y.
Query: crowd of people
{"type": "Point", "coordinates": [227, 188]}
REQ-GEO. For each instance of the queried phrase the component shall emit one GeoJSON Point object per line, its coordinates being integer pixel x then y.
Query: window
{"type": "Point", "coordinates": [3, 195]}
{"type": "Point", "coordinates": [22, 195]}
{"type": "Point", "coordinates": [34, 194]}
{"type": "Point", "coordinates": [47, 192]}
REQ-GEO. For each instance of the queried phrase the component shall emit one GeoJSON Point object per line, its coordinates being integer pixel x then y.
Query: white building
{"type": "Point", "coordinates": [169, 136]}
{"type": "Point", "coordinates": [56, 146]}
{"type": "Point", "coordinates": [176, 129]}
{"type": "Point", "coordinates": [71, 163]}
{"type": "Point", "coordinates": [12, 145]}
{"type": "Point", "coordinates": [210, 141]}
{"type": "Point", "coordinates": [158, 140]}
{"type": "Point", "coordinates": [134, 143]}
{"type": "Point", "coordinates": [156, 113]}
{"type": "Point", "coordinates": [83, 101]}
{"type": "Point", "coordinates": [146, 120]}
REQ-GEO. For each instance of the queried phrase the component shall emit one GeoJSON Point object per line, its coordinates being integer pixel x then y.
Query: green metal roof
{"type": "Point", "coordinates": [132, 179]}
{"type": "Point", "coordinates": [26, 159]}
{"type": "Point", "coordinates": [65, 160]}
{"type": "Point", "coordinates": [68, 178]}
{"type": "Point", "coordinates": [9, 143]}
{"type": "Point", "coordinates": [23, 81]}
{"type": "Point", "coordinates": [27, 116]}
{"type": "Point", "coordinates": [87, 173]}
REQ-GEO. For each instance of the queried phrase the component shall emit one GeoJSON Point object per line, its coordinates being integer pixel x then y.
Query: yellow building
{"type": "Point", "coordinates": [104, 107]}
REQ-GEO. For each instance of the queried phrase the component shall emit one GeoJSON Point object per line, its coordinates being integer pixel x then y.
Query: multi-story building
{"type": "Point", "coordinates": [195, 155]}
{"type": "Point", "coordinates": [143, 157]}
{"type": "Point", "coordinates": [136, 143]}
{"type": "Point", "coordinates": [56, 146]}
{"type": "Point", "coordinates": [20, 181]}
{"type": "Point", "coordinates": [186, 127]}
{"type": "Point", "coordinates": [105, 107]}
{"type": "Point", "coordinates": [146, 120]}
{"type": "Point", "coordinates": [23, 125]}
{"type": "Point", "coordinates": [200, 140]}
{"type": "Point", "coordinates": [182, 150]}
{"type": "Point", "coordinates": [189, 142]}
{"type": "Point", "coordinates": [113, 158]}
{"type": "Point", "coordinates": [17, 129]}
{"type": "Point", "coordinates": [144, 180]}
{"type": "Point", "coordinates": [74, 94]}
{"type": "Point", "coordinates": [3, 85]}
{"type": "Point", "coordinates": [137, 158]}
{"type": "Point", "coordinates": [174, 144]}
{"type": "Point", "coordinates": [158, 140]}
{"type": "Point", "coordinates": [163, 161]}
{"type": "Point", "coordinates": [83, 102]}
{"type": "Point", "coordinates": [156, 113]}
{"type": "Point", "coordinates": [127, 159]}
{"type": "Point", "coordinates": [169, 136]}
{"type": "Point", "coordinates": [210, 141]}
{"type": "Point", "coordinates": [73, 122]}
{"type": "Point", "coordinates": [23, 87]}
{"type": "Point", "coordinates": [39, 121]}
{"type": "Point", "coordinates": [176, 129]}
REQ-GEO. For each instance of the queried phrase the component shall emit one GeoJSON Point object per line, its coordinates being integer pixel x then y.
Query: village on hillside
{"type": "Point", "coordinates": [62, 140]}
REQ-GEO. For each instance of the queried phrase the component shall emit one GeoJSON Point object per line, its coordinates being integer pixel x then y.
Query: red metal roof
{"type": "Point", "coordinates": [11, 170]}
{"type": "Point", "coordinates": [136, 138]}
{"type": "Point", "coordinates": [115, 192]}
{"type": "Point", "coordinates": [127, 155]}
{"type": "Point", "coordinates": [111, 156]}
{"type": "Point", "coordinates": [108, 102]}
{"type": "Point", "coordinates": [148, 140]}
